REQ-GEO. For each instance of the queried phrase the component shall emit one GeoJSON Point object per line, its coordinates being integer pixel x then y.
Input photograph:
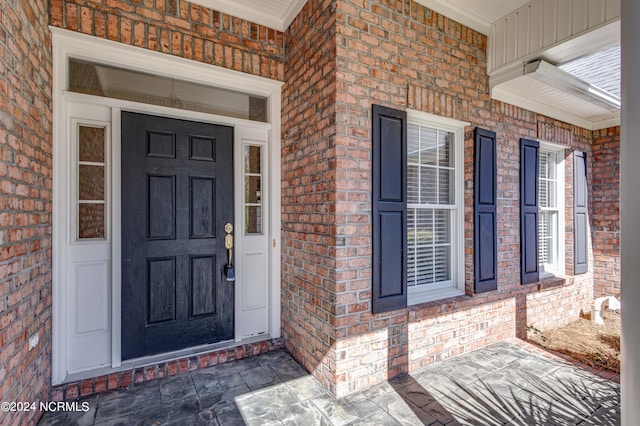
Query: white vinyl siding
{"type": "Point", "coordinates": [433, 211]}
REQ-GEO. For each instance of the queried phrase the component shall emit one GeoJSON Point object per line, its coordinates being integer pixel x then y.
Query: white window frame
{"type": "Point", "coordinates": [457, 287]}
{"type": "Point", "coordinates": [557, 268]}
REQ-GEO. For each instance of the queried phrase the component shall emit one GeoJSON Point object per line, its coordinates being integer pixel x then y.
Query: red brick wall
{"type": "Point", "coordinates": [605, 220]}
{"type": "Point", "coordinates": [310, 221]}
{"type": "Point", "coordinates": [341, 56]}
{"type": "Point", "coordinates": [178, 28]}
{"type": "Point", "coordinates": [400, 54]}
{"type": "Point", "coordinates": [25, 205]}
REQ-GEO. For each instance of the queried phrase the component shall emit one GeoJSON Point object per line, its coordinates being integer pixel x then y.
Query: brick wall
{"type": "Point", "coordinates": [341, 56]}
{"type": "Point", "coordinates": [400, 54]}
{"type": "Point", "coordinates": [179, 28]}
{"type": "Point", "coordinates": [309, 189]}
{"type": "Point", "coordinates": [25, 205]}
{"type": "Point", "coordinates": [605, 220]}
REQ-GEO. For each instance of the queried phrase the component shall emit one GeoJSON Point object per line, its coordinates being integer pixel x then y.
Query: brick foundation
{"type": "Point", "coordinates": [136, 376]}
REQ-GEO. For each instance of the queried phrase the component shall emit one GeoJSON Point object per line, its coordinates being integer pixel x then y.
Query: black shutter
{"type": "Point", "coordinates": [529, 159]}
{"type": "Point", "coordinates": [389, 209]}
{"type": "Point", "coordinates": [580, 213]}
{"type": "Point", "coordinates": [486, 251]}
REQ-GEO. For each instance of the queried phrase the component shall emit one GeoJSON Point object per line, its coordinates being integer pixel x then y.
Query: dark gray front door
{"type": "Point", "coordinates": [177, 196]}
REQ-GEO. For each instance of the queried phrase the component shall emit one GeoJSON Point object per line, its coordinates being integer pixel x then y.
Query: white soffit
{"type": "Point", "coordinates": [530, 93]}
{"type": "Point", "coordinates": [477, 15]}
{"type": "Point", "coordinates": [276, 14]}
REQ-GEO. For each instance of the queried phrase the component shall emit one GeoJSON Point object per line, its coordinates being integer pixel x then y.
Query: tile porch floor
{"type": "Point", "coordinates": [506, 383]}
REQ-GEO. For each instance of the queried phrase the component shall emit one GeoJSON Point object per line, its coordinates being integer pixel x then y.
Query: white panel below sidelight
{"type": "Point", "coordinates": [89, 343]}
{"type": "Point", "coordinates": [92, 288]}
{"type": "Point", "coordinates": [255, 294]}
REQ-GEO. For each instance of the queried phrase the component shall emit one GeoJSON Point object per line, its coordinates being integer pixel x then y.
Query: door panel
{"type": "Point", "coordinates": [203, 196]}
{"type": "Point", "coordinates": [161, 199]}
{"type": "Point", "coordinates": [161, 290]}
{"type": "Point", "coordinates": [202, 285]}
{"type": "Point", "coordinates": [177, 194]}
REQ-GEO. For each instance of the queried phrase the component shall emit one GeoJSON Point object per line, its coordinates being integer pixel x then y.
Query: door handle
{"type": "Point", "coordinates": [229, 270]}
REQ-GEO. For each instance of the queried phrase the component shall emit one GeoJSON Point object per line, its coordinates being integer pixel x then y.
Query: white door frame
{"type": "Point", "coordinates": [71, 44]}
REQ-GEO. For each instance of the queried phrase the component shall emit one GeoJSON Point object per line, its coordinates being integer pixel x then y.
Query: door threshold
{"type": "Point", "coordinates": [148, 368]}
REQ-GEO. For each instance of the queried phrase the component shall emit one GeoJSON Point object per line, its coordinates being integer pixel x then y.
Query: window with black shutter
{"type": "Point", "coordinates": [485, 220]}
{"type": "Point", "coordinates": [529, 151]}
{"type": "Point", "coordinates": [580, 214]}
{"type": "Point", "coordinates": [418, 229]}
{"type": "Point", "coordinates": [389, 209]}
{"type": "Point", "coordinates": [542, 224]}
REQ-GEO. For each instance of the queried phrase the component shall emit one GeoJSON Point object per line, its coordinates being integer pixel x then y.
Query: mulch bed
{"type": "Point", "coordinates": [594, 345]}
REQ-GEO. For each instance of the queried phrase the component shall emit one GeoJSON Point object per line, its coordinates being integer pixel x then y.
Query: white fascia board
{"type": "Point", "coordinates": [605, 124]}
{"type": "Point", "coordinates": [243, 11]}
{"type": "Point", "coordinates": [506, 73]}
{"type": "Point", "coordinates": [592, 41]}
{"type": "Point", "coordinates": [458, 14]}
{"type": "Point", "coordinates": [292, 11]}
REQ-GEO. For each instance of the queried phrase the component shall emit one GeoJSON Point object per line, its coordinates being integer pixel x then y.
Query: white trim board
{"type": "Point", "coordinates": [458, 14]}
{"type": "Point", "coordinates": [71, 44]}
{"type": "Point", "coordinates": [244, 11]}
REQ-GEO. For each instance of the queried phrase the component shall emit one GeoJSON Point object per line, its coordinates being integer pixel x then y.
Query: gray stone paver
{"type": "Point", "coordinates": [301, 413]}
{"type": "Point", "coordinates": [502, 384]}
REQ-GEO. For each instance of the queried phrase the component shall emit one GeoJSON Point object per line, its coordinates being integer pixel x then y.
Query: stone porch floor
{"type": "Point", "coordinates": [510, 383]}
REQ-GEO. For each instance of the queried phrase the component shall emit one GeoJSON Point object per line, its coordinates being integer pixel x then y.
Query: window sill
{"type": "Point", "coordinates": [548, 280]}
{"type": "Point", "coordinates": [438, 306]}
{"type": "Point", "coordinates": [434, 296]}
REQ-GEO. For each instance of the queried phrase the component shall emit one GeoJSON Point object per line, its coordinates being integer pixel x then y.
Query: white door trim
{"type": "Point", "coordinates": [67, 43]}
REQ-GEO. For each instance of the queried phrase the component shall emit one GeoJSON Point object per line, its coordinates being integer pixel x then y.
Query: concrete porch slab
{"type": "Point", "coordinates": [507, 383]}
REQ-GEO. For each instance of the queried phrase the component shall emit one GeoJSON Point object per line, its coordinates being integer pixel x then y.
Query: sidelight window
{"type": "Point", "coordinates": [91, 198]}
{"type": "Point", "coordinates": [253, 180]}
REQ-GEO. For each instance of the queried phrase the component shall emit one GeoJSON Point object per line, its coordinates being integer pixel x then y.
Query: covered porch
{"type": "Point", "coordinates": [308, 327]}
